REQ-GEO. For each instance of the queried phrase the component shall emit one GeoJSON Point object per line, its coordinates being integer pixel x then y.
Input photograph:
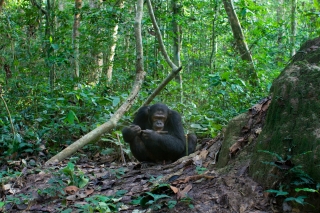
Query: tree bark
{"type": "Point", "coordinates": [242, 46]}
{"type": "Point", "coordinates": [49, 38]}
{"type": "Point", "coordinates": [1, 4]}
{"type": "Point", "coordinates": [114, 39]}
{"type": "Point", "coordinates": [106, 127]}
{"type": "Point", "coordinates": [279, 6]}
{"type": "Point", "coordinates": [293, 27]}
{"type": "Point", "coordinates": [214, 41]}
{"type": "Point", "coordinates": [96, 74]}
{"type": "Point", "coordinates": [159, 37]}
{"type": "Point", "coordinates": [174, 67]}
{"type": "Point", "coordinates": [75, 37]}
{"type": "Point", "coordinates": [177, 37]}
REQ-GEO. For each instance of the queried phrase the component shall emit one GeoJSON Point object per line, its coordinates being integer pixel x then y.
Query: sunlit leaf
{"type": "Point", "coordinates": [71, 117]}
{"type": "Point", "coordinates": [115, 101]}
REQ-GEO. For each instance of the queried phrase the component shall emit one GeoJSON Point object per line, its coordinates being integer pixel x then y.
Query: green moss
{"type": "Point", "coordinates": [231, 136]}
{"type": "Point", "coordinates": [293, 123]}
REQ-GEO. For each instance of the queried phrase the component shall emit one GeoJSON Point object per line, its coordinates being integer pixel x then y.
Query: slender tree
{"type": "Point", "coordinates": [75, 37]}
{"type": "Point", "coordinates": [214, 37]}
{"type": "Point", "coordinates": [1, 4]}
{"type": "Point", "coordinates": [177, 37]}
{"type": "Point", "coordinates": [239, 38]}
{"type": "Point", "coordinates": [114, 39]}
{"type": "Point", "coordinates": [293, 27]}
{"type": "Point", "coordinates": [280, 11]}
{"type": "Point", "coordinates": [94, 4]}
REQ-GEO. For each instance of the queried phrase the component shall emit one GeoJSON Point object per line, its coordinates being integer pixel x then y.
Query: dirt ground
{"type": "Point", "coordinates": [192, 189]}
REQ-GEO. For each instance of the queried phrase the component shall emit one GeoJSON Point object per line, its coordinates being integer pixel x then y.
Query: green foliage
{"type": "Point", "coordinates": [213, 89]}
{"type": "Point", "coordinates": [101, 203]}
{"type": "Point", "coordinates": [76, 177]}
{"type": "Point", "coordinates": [201, 170]}
{"type": "Point", "coordinates": [118, 172]}
{"type": "Point", "coordinates": [291, 179]}
{"type": "Point", "coordinates": [55, 188]}
{"type": "Point", "coordinates": [18, 199]}
{"type": "Point", "coordinates": [188, 201]}
{"type": "Point", "coordinates": [8, 174]}
{"type": "Point", "coordinates": [157, 197]}
{"type": "Point", "coordinates": [150, 199]}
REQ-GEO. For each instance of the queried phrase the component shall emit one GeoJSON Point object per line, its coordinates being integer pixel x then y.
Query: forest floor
{"type": "Point", "coordinates": [191, 184]}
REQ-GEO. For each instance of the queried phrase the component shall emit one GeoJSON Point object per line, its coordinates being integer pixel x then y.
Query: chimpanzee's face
{"type": "Point", "coordinates": [158, 114]}
{"type": "Point", "coordinates": [158, 120]}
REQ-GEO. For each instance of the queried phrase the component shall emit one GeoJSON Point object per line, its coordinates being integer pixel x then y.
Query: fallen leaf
{"type": "Point", "coordinates": [203, 154]}
{"type": "Point", "coordinates": [89, 191]}
{"type": "Point", "coordinates": [184, 192]}
{"type": "Point", "coordinates": [266, 105]}
{"type": "Point", "coordinates": [71, 190]}
{"type": "Point", "coordinates": [77, 196]}
{"type": "Point", "coordinates": [174, 189]}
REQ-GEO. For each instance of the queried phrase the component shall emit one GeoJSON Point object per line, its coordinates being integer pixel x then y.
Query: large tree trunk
{"type": "Point", "coordinates": [292, 127]}
{"type": "Point", "coordinates": [242, 46]}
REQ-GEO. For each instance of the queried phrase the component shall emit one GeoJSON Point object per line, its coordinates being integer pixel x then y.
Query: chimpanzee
{"type": "Point", "coordinates": [157, 135]}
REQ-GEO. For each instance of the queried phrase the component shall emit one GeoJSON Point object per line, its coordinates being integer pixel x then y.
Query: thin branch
{"type": "Point", "coordinates": [6, 106]}
{"type": "Point", "coordinates": [35, 3]}
{"type": "Point", "coordinates": [162, 85]}
{"type": "Point", "coordinates": [159, 37]}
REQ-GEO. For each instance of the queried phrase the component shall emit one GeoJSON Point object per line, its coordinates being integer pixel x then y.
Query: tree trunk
{"type": "Point", "coordinates": [279, 6]}
{"type": "Point", "coordinates": [292, 128]}
{"type": "Point", "coordinates": [1, 4]}
{"type": "Point", "coordinates": [177, 36]}
{"type": "Point", "coordinates": [49, 38]}
{"type": "Point", "coordinates": [242, 46]}
{"type": "Point", "coordinates": [96, 74]}
{"type": "Point", "coordinates": [293, 27]}
{"type": "Point", "coordinates": [159, 37]}
{"type": "Point", "coordinates": [214, 41]}
{"type": "Point", "coordinates": [106, 127]}
{"type": "Point", "coordinates": [112, 52]}
{"type": "Point", "coordinates": [113, 45]}
{"type": "Point", "coordinates": [75, 38]}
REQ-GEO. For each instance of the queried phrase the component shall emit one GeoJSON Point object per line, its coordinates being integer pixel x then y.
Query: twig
{"type": "Point", "coordinates": [121, 151]}
{"type": "Point", "coordinates": [160, 132]}
{"type": "Point", "coordinates": [5, 104]}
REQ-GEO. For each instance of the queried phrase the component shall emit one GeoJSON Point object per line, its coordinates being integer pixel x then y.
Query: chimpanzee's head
{"type": "Point", "coordinates": [158, 114]}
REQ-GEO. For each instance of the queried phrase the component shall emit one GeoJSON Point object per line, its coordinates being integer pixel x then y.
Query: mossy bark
{"type": "Point", "coordinates": [231, 136]}
{"type": "Point", "coordinates": [292, 125]}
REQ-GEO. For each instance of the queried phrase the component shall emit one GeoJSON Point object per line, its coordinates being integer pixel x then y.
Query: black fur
{"type": "Point", "coordinates": [151, 146]}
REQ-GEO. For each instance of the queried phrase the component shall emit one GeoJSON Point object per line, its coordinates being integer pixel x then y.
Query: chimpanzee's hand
{"type": "Point", "coordinates": [147, 134]}
{"type": "Point", "coordinates": [135, 129]}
